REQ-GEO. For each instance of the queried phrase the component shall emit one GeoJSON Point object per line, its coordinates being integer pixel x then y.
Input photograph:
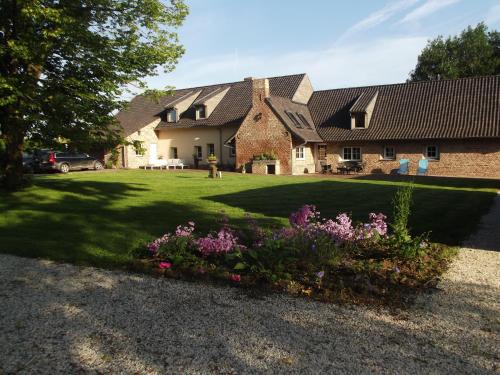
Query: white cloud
{"type": "Point", "coordinates": [426, 9]}
{"type": "Point", "coordinates": [381, 15]}
{"type": "Point", "coordinates": [386, 60]}
{"type": "Point", "coordinates": [493, 15]}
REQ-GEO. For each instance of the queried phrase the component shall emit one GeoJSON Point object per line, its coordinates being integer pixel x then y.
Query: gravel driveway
{"type": "Point", "coordinates": [63, 319]}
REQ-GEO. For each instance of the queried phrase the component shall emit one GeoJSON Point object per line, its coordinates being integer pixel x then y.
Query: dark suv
{"type": "Point", "coordinates": [47, 160]}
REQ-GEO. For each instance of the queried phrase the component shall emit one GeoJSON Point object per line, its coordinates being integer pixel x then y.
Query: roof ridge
{"type": "Point", "coordinates": [411, 83]}
{"type": "Point", "coordinates": [232, 83]}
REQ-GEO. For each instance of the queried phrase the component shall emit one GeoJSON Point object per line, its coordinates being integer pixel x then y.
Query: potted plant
{"type": "Point", "coordinates": [212, 166]}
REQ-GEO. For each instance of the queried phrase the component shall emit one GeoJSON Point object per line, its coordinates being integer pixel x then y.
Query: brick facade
{"type": "Point", "coordinates": [461, 158]}
{"type": "Point", "coordinates": [261, 131]}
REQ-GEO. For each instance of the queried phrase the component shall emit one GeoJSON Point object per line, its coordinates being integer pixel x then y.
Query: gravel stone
{"type": "Point", "coordinates": [64, 319]}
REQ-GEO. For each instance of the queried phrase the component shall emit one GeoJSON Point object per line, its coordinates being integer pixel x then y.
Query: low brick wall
{"type": "Point", "coordinates": [463, 158]}
{"type": "Point", "coordinates": [262, 166]}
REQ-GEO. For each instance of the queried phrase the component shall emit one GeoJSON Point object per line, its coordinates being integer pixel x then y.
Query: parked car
{"type": "Point", "coordinates": [28, 162]}
{"type": "Point", "coordinates": [48, 160]}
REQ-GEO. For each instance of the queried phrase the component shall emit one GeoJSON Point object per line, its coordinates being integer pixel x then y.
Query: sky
{"type": "Point", "coordinates": [337, 43]}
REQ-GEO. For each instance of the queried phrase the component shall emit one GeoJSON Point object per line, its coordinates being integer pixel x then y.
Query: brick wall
{"type": "Point", "coordinates": [261, 131]}
{"type": "Point", "coordinates": [465, 158]}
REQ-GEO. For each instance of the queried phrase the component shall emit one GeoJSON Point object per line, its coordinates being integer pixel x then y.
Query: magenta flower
{"type": "Point", "coordinates": [223, 241]}
{"type": "Point", "coordinates": [236, 278]}
{"type": "Point", "coordinates": [165, 265]}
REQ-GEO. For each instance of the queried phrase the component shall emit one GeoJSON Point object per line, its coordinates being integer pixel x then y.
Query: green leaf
{"type": "Point", "coordinates": [240, 266]}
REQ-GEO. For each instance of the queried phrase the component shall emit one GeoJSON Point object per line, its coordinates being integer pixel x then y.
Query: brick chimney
{"type": "Point", "coordinates": [260, 89]}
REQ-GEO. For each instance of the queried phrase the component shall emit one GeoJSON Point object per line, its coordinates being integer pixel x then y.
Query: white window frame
{"type": "Point", "coordinates": [209, 146]}
{"type": "Point", "coordinates": [358, 115]}
{"type": "Point", "coordinates": [426, 152]}
{"type": "Point", "coordinates": [351, 153]}
{"type": "Point", "coordinates": [384, 153]}
{"type": "Point", "coordinates": [175, 152]}
{"type": "Point", "coordinates": [300, 153]}
{"type": "Point", "coordinates": [171, 112]}
{"type": "Point", "coordinates": [198, 117]}
{"type": "Point", "coordinates": [198, 150]}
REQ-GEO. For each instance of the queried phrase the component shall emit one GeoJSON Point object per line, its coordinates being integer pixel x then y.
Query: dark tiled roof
{"type": "Point", "coordinates": [203, 98]}
{"type": "Point", "coordinates": [363, 100]}
{"type": "Point", "coordinates": [231, 110]}
{"type": "Point", "coordinates": [283, 105]}
{"type": "Point", "coordinates": [285, 86]}
{"type": "Point", "coordinates": [464, 108]}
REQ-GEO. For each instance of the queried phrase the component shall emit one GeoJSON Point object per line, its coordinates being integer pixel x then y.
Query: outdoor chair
{"type": "Point", "coordinates": [423, 167]}
{"type": "Point", "coordinates": [403, 166]}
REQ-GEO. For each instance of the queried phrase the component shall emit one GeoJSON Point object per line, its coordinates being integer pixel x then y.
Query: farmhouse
{"type": "Point", "coordinates": [454, 124]}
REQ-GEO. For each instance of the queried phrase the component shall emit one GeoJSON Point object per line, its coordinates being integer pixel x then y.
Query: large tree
{"type": "Point", "coordinates": [474, 52]}
{"type": "Point", "coordinates": [65, 63]}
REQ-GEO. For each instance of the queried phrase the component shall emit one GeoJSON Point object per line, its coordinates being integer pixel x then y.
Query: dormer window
{"type": "Point", "coordinates": [359, 120]}
{"type": "Point", "coordinates": [172, 115]}
{"type": "Point", "coordinates": [201, 112]}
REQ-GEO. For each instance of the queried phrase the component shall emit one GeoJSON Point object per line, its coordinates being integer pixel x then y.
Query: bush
{"type": "Point", "coordinates": [266, 156]}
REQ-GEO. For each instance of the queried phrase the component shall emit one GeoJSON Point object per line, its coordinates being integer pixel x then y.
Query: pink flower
{"type": "Point", "coordinates": [236, 278]}
{"type": "Point", "coordinates": [164, 265]}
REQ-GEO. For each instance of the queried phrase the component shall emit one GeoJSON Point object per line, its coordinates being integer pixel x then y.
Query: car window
{"type": "Point", "coordinates": [62, 155]}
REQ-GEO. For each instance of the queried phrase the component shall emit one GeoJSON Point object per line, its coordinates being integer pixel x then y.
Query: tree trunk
{"type": "Point", "coordinates": [13, 133]}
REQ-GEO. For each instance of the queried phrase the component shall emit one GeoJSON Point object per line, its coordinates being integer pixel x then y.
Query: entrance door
{"type": "Point", "coordinates": [153, 156]}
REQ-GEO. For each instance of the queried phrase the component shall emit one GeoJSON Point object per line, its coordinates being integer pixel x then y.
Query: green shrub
{"type": "Point", "coordinates": [403, 244]}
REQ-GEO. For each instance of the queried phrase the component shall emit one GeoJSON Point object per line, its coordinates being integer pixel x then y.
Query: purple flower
{"type": "Point", "coordinates": [224, 241]}
{"type": "Point", "coordinates": [320, 274]}
{"type": "Point", "coordinates": [397, 269]}
{"type": "Point", "coordinates": [303, 216]}
{"type": "Point", "coordinates": [313, 247]}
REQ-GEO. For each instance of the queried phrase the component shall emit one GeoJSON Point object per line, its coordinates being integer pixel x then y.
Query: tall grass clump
{"type": "Point", "coordinates": [403, 243]}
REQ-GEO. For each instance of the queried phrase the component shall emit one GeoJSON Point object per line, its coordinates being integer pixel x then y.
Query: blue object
{"type": "Point", "coordinates": [403, 166]}
{"type": "Point", "coordinates": [423, 167]}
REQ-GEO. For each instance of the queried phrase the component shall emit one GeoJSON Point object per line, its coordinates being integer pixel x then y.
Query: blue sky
{"type": "Point", "coordinates": [338, 43]}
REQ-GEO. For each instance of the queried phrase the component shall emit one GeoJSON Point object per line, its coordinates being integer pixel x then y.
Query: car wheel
{"type": "Point", "coordinates": [64, 168]}
{"type": "Point", "coordinates": [98, 165]}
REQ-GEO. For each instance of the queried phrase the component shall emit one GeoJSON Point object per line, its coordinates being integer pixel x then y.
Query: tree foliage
{"type": "Point", "coordinates": [64, 64]}
{"type": "Point", "coordinates": [475, 52]}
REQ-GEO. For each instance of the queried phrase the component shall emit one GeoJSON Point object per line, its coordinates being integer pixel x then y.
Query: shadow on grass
{"type": "Point", "coordinates": [450, 215]}
{"type": "Point", "coordinates": [89, 222]}
{"type": "Point", "coordinates": [449, 182]}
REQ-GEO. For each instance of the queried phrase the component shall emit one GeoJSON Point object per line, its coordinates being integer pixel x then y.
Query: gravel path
{"type": "Point", "coordinates": [63, 319]}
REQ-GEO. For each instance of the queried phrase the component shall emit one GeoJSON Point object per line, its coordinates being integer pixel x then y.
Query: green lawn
{"type": "Point", "coordinates": [98, 217]}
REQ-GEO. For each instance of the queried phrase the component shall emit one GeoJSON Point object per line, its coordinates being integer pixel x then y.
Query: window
{"type": "Point", "coordinates": [294, 119]}
{"type": "Point", "coordinates": [299, 153]}
{"type": "Point", "coordinates": [232, 151]}
{"type": "Point", "coordinates": [210, 149]}
{"type": "Point", "coordinates": [432, 152]}
{"type": "Point", "coordinates": [352, 153]}
{"type": "Point", "coordinates": [304, 120]}
{"type": "Point", "coordinates": [389, 153]}
{"type": "Point", "coordinates": [322, 152]}
{"type": "Point", "coordinates": [173, 153]}
{"type": "Point", "coordinates": [359, 120]}
{"type": "Point", "coordinates": [198, 152]}
{"type": "Point", "coordinates": [200, 112]}
{"type": "Point", "coordinates": [172, 115]}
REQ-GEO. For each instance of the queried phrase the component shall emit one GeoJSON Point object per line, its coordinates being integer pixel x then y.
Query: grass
{"type": "Point", "coordinates": [97, 218]}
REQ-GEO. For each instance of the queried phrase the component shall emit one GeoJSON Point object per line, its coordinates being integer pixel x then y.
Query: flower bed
{"type": "Point", "coordinates": [327, 259]}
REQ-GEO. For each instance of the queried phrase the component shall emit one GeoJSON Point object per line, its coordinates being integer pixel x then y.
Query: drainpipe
{"type": "Point", "coordinates": [220, 143]}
